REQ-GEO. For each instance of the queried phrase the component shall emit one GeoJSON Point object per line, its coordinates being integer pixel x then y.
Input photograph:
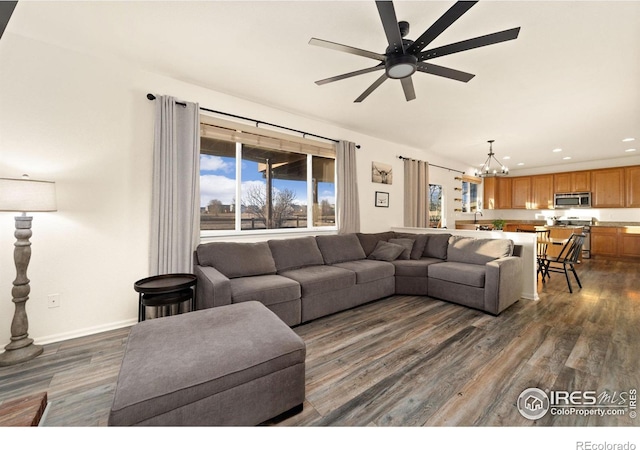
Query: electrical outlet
{"type": "Point", "coordinates": [53, 300]}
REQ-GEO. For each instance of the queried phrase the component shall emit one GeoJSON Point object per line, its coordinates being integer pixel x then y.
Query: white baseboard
{"type": "Point", "coordinates": [83, 332]}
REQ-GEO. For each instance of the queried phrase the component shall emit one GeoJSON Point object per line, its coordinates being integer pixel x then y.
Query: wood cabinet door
{"type": "Point", "coordinates": [581, 181]}
{"type": "Point", "coordinates": [608, 188]}
{"type": "Point", "coordinates": [503, 193]}
{"type": "Point", "coordinates": [562, 183]}
{"type": "Point", "coordinates": [489, 193]}
{"type": "Point", "coordinates": [632, 179]}
{"type": "Point", "coordinates": [520, 192]}
{"type": "Point", "coordinates": [604, 241]}
{"type": "Point", "coordinates": [630, 245]}
{"type": "Point", "coordinates": [541, 192]}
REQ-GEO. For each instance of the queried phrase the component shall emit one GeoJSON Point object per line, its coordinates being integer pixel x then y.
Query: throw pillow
{"type": "Point", "coordinates": [386, 251]}
{"type": "Point", "coordinates": [407, 244]}
{"type": "Point", "coordinates": [419, 244]}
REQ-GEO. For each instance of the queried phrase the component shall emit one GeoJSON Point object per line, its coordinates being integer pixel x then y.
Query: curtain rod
{"type": "Point", "coordinates": [257, 122]}
{"type": "Point", "coordinates": [435, 165]}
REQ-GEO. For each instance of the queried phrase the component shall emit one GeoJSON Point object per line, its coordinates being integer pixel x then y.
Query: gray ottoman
{"type": "Point", "coordinates": [231, 365]}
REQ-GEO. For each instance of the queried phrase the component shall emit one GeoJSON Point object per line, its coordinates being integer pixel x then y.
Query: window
{"type": "Point", "coordinates": [252, 181]}
{"type": "Point", "coordinates": [470, 193]}
{"type": "Point", "coordinates": [436, 202]}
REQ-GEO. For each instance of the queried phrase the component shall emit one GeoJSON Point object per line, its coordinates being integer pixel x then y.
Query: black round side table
{"type": "Point", "coordinates": [163, 290]}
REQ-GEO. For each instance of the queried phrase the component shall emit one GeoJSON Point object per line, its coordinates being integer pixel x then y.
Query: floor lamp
{"type": "Point", "coordinates": [23, 195]}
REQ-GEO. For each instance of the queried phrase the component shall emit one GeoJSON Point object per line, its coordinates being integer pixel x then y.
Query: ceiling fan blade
{"type": "Point", "coordinates": [390, 24]}
{"type": "Point", "coordinates": [444, 22]}
{"type": "Point", "coordinates": [371, 88]}
{"type": "Point", "coordinates": [407, 87]}
{"type": "Point", "coordinates": [350, 74]}
{"type": "Point", "coordinates": [347, 49]}
{"type": "Point", "coordinates": [444, 72]}
{"type": "Point", "coordinates": [469, 44]}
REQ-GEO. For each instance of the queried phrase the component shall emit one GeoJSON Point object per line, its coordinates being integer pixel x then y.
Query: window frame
{"type": "Point", "coordinates": [307, 146]}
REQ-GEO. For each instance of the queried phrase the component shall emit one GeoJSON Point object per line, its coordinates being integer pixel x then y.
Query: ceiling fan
{"type": "Point", "coordinates": [404, 57]}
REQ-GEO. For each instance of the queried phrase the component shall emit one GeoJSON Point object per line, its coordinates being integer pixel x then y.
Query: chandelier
{"type": "Point", "coordinates": [487, 171]}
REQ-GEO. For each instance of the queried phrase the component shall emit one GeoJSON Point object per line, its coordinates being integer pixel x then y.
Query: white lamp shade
{"type": "Point", "coordinates": [25, 195]}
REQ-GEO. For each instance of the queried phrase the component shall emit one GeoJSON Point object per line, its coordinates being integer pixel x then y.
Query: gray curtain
{"type": "Point", "coordinates": [416, 193]}
{"type": "Point", "coordinates": [175, 226]}
{"type": "Point", "coordinates": [348, 208]}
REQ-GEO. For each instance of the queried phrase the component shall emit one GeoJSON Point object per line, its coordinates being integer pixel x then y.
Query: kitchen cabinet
{"type": "Point", "coordinates": [541, 192]}
{"type": "Point", "coordinates": [520, 192]}
{"type": "Point", "coordinates": [489, 193]}
{"type": "Point", "coordinates": [572, 182]}
{"type": "Point", "coordinates": [608, 188]}
{"type": "Point", "coordinates": [632, 180]}
{"type": "Point", "coordinates": [629, 242]}
{"type": "Point", "coordinates": [503, 190]}
{"type": "Point", "coordinates": [497, 193]}
{"type": "Point", "coordinates": [617, 187]}
{"type": "Point", "coordinates": [604, 241]}
{"type": "Point", "coordinates": [622, 242]}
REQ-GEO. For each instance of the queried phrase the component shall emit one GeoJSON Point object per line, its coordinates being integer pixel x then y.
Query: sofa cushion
{"type": "Point", "coordinates": [436, 245]}
{"type": "Point", "coordinates": [338, 248]}
{"type": "Point", "coordinates": [367, 270]}
{"type": "Point", "coordinates": [320, 279]}
{"type": "Point", "coordinates": [407, 244]}
{"type": "Point", "coordinates": [266, 289]}
{"type": "Point", "coordinates": [295, 253]}
{"type": "Point", "coordinates": [368, 241]}
{"type": "Point", "coordinates": [478, 251]}
{"type": "Point", "coordinates": [413, 268]}
{"type": "Point", "coordinates": [420, 241]}
{"type": "Point", "coordinates": [385, 251]}
{"type": "Point", "coordinates": [457, 272]}
{"type": "Point", "coordinates": [237, 259]}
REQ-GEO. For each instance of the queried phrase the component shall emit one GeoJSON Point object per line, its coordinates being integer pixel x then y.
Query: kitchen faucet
{"type": "Point", "coordinates": [475, 216]}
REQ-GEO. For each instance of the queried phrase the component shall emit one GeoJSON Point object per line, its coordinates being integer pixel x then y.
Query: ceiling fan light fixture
{"type": "Point", "coordinates": [400, 66]}
{"type": "Point", "coordinates": [486, 170]}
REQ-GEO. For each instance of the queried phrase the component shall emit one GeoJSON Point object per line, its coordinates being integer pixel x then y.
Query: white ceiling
{"type": "Point", "coordinates": [570, 80]}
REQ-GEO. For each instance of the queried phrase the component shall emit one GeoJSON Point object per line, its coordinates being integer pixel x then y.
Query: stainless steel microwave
{"type": "Point", "coordinates": [572, 200]}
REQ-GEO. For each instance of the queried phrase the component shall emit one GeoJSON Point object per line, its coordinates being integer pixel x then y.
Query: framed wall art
{"type": "Point", "coordinates": [381, 173]}
{"type": "Point", "coordinates": [382, 199]}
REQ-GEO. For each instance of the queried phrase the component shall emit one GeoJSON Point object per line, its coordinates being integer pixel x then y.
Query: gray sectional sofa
{"type": "Point", "coordinates": [301, 279]}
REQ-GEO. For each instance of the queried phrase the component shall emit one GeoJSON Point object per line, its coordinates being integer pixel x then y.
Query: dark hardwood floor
{"type": "Point", "coordinates": [411, 361]}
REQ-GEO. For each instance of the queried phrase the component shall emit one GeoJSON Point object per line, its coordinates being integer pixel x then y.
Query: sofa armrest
{"type": "Point", "coordinates": [503, 283]}
{"type": "Point", "coordinates": [213, 288]}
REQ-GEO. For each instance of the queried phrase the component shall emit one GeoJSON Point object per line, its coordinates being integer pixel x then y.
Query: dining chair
{"type": "Point", "coordinates": [566, 260]}
{"type": "Point", "coordinates": [542, 241]}
{"type": "Point", "coordinates": [541, 247]}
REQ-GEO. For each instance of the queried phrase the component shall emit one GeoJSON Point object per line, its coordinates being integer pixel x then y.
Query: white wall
{"type": "Point", "coordinates": [86, 124]}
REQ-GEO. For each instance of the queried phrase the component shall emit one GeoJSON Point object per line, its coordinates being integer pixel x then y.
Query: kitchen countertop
{"type": "Point", "coordinates": [544, 223]}
{"type": "Point", "coordinates": [616, 224]}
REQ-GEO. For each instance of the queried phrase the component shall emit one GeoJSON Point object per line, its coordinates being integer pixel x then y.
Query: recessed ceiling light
{"type": "Point", "coordinates": [556, 150]}
{"type": "Point", "coordinates": [628, 139]}
{"type": "Point", "coordinates": [567, 157]}
{"type": "Point", "coordinates": [506, 157]}
{"type": "Point", "coordinates": [521, 164]}
{"type": "Point", "coordinates": [629, 150]}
